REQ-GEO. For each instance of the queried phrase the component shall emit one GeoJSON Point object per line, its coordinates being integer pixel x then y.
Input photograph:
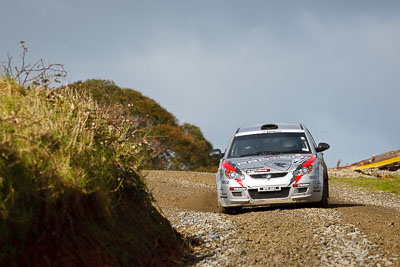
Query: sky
{"type": "Point", "coordinates": [331, 65]}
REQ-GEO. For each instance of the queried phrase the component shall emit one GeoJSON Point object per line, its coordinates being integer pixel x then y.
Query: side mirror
{"type": "Point", "coordinates": [322, 147]}
{"type": "Point", "coordinates": [216, 153]}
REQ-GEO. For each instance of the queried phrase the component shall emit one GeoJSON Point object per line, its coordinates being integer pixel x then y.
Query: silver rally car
{"type": "Point", "coordinates": [271, 164]}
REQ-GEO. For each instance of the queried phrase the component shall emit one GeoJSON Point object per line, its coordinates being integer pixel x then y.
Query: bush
{"type": "Point", "coordinates": [174, 146]}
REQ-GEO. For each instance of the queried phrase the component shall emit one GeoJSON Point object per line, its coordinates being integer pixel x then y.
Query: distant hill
{"type": "Point", "coordinates": [175, 146]}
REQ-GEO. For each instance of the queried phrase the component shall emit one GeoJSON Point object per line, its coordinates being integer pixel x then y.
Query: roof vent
{"type": "Point", "coordinates": [269, 127]}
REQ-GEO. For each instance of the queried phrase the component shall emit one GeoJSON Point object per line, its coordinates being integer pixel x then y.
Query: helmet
{"type": "Point", "coordinates": [289, 142]}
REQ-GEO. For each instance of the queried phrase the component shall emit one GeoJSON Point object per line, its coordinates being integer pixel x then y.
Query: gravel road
{"type": "Point", "coordinates": [357, 229]}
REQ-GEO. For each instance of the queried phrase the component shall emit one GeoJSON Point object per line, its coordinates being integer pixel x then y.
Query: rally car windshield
{"type": "Point", "coordinates": [269, 144]}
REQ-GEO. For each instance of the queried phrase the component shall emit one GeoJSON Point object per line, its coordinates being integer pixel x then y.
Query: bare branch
{"type": "Point", "coordinates": [40, 73]}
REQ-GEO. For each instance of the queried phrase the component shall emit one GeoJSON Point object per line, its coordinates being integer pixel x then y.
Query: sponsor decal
{"type": "Point", "coordinates": [262, 170]}
{"type": "Point", "coordinates": [280, 164]}
{"type": "Point", "coordinates": [239, 189]}
{"type": "Point", "coordinates": [296, 159]}
{"type": "Point", "coordinates": [303, 184]}
{"type": "Point", "coordinates": [257, 170]}
{"type": "Point", "coordinates": [250, 161]}
{"type": "Point", "coordinates": [270, 131]}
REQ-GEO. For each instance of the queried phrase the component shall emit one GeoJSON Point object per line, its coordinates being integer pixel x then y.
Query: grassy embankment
{"type": "Point", "coordinates": [70, 188]}
{"type": "Point", "coordinates": [388, 183]}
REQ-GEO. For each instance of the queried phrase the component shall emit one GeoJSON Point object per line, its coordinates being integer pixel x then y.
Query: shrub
{"type": "Point", "coordinates": [175, 147]}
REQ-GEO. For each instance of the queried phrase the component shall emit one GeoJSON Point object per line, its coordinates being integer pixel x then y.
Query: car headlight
{"type": "Point", "coordinates": [233, 175]}
{"type": "Point", "coordinates": [303, 171]}
{"type": "Point", "coordinates": [231, 172]}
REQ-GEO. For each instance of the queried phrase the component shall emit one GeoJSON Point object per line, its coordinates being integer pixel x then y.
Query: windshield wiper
{"type": "Point", "coordinates": [260, 153]}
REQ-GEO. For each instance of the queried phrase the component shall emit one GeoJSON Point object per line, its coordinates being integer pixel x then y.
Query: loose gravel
{"type": "Point", "coordinates": [215, 233]}
{"type": "Point", "coordinates": [344, 244]}
{"type": "Point", "coordinates": [351, 232]}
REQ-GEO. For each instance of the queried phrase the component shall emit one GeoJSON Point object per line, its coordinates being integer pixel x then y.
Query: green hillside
{"type": "Point", "coordinates": [174, 146]}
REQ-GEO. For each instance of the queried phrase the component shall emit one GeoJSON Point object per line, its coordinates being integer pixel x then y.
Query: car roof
{"type": "Point", "coordinates": [268, 127]}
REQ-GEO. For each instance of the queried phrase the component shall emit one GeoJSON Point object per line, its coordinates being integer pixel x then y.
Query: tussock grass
{"type": "Point", "coordinates": [69, 171]}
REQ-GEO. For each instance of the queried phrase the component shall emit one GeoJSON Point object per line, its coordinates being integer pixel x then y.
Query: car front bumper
{"type": "Point", "coordinates": [232, 195]}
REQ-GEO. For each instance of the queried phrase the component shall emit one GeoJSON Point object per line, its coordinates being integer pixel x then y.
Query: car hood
{"type": "Point", "coordinates": [278, 163]}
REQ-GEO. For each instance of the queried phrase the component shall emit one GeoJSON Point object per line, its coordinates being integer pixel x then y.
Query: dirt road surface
{"type": "Point", "coordinates": [357, 229]}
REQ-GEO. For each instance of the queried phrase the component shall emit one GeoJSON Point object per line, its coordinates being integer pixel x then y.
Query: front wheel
{"type": "Point", "coordinates": [325, 192]}
{"type": "Point", "coordinates": [222, 209]}
{"type": "Point", "coordinates": [227, 210]}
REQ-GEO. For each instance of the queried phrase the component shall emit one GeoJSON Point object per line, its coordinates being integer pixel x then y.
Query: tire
{"type": "Point", "coordinates": [222, 209]}
{"type": "Point", "coordinates": [226, 210]}
{"type": "Point", "coordinates": [325, 193]}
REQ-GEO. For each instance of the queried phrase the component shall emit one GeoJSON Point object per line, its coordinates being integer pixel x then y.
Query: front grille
{"type": "Point", "coordinates": [284, 193]}
{"type": "Point", "coordinates": [268, 175]}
